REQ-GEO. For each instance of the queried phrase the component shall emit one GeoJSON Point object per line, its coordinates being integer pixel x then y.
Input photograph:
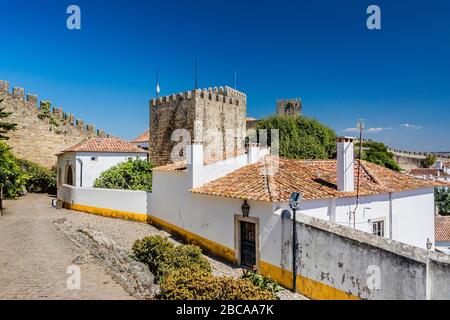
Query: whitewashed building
{"type": "Point", "coordinates": [82, 163]}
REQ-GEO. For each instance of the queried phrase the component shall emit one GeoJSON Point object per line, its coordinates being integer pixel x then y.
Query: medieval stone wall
{"type": "Point", "coordinates": [38, 138]}
{"type": "Point", "coordinates": [214, 116]}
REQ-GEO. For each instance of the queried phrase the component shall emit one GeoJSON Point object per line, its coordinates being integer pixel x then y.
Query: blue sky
{"type": "Point", "coordinates": [396, 78]}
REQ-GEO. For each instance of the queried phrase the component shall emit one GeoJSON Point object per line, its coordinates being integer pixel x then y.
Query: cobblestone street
{"type": "Point", "coordinates": [34, 255]}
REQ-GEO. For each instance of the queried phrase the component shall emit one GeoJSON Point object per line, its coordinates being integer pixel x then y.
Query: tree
{"type": "Point", "coordinates": [12, 177]}
{"type": "Point", "coordinates": [5, 127]}
{"type": "Point", "coordinates": [442, 200]}
{"type": "Point", "coordinates": [301, 137]}
{"type": "Point", "coordinates": [378, 153]}
{"type": "Point", "coordinates": [130, 175]}
{"type": "Point", "coordinates": [429, 161]}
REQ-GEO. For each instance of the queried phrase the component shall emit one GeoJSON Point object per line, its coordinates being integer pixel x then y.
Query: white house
{"type": "Point", "coordinates": [82, 163]}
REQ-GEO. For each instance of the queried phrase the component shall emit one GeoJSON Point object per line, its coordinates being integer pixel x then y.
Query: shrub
{"type": "Point", "coordinates": [39, 178]}
{"type": "Point", "coordinates": [378, 153]}
{"type": "Point", "coordinates": [442, 199]}
{"type": "Point", "coordinates": [12, 177]}
{"type": "Point", "coordinates": [131, 175]}
{"type": "Point", "coordinates": [184, 284]}
{"type": "Point", "coordinates": [163, 257]}
{"type": "Point", "coordinates": [262, 282]}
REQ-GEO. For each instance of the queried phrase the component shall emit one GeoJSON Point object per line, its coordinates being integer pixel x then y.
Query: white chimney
{"type": "Point", "coordinates": [194, 163]}
{"type": "Point", "coordinates": [253, 153]}
{"type": "Point", "coordinates": [345, 164]}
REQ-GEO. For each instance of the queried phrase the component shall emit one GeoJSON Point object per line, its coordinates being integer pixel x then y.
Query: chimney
{"type": "Point", "coordinates": [253, 153]}
{"type": "Point", "coordinates": [345, 164]}
{"type": "Point", "coordinates": [194, 162]}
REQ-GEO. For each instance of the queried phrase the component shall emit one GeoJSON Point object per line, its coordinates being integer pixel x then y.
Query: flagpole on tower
{"type": "Point", "coordinates": [195, 73]}
{"type": "Point", "coordinates": [157, 84]}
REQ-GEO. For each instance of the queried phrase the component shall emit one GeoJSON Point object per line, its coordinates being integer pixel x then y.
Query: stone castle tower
{"type": "Point", "coordinates": [289, 107]}
{"type": "Point", "coordinates": [214, 116]}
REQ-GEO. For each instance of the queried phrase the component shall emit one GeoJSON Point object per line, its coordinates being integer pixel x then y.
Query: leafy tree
{"type": "Point", "coordinates": [130, 175]}
{"type": "Point", "coordinates": [378, 153]}
{"type": "Point", "coordinates": [39, 178]}
{"type": "Point", "coordinates": [442, 200]}
{"type": "Point", "coordinates": [12, 177]}
{"type": "Point", "coordinates": [301, 137]}
{"type": "Point", "coordinates": [429, 161]}
{"type": "Point", "coordinates": [5, 127]}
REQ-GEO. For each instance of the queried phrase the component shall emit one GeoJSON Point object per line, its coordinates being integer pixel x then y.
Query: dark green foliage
{"type": "Point", "coordinates": [378, 153]}
{"type": "Point", "coordinates": [429, 161]}
{"type": "Point", "coordinates": [442, 200]}
{"type": "Point", "coordinates": [5, 127]}
{"type": "Point", "coordinates": [163, 257]}
{"type": "Point", "coordinates": [12, 177]}
{"type": "Point", "coordinates": [301, 137]}
{"type": "Point", "coordinates": [261, 282]}
{"type": "Point", "coordinates": [39, 178]}
{"type": "Point", "coordinates": [131, 175]}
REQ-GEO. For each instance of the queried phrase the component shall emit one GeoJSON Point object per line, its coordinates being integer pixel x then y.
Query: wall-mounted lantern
{"type": "Point", "coordinates": [245, 209]}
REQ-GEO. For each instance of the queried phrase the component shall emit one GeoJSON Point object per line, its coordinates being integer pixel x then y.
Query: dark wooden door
{"type": "Point", "coordinates": [248, 244]}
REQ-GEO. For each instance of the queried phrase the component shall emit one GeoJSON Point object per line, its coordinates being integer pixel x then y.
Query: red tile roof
{"type": "Point", "coordinates": [315, 179]}
{"type": "Point", "coordinates": [143, 137]}
{"type": "Point", "coordinates": [442, 228]}
{"type": "Point", "coordinates": [428, 172]}
{"type": "Point", "coordinates": [104, 145]}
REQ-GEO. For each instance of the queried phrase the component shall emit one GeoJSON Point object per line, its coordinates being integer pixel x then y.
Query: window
{"type": "Point", "coordinates": [93, 158]}
{"type": "Point", "coordinates": [378, 228]}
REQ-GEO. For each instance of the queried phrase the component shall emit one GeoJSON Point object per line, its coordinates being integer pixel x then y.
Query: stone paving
{"type": "Point", "coordinates": [34, 255]}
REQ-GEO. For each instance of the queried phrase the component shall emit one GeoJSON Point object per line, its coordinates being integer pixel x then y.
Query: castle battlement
{"type": "Point", "coordinates": [222, 94]}
{"type": "Point", "coordinates": [58, 113]}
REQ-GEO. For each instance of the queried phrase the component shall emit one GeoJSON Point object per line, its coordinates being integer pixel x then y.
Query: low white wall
{"type": "Point", "coordinates": [122, 200]}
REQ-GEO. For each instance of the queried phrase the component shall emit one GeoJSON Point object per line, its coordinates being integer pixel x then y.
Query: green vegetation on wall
{"type": "Point", "coordinates": [131, 175]}
{"type": "Point", "coordinates": [378, 153]}
{"type": "Point", "coordinates": [12, 177]}
{"type": "Point", "coordinates": [301, 137]}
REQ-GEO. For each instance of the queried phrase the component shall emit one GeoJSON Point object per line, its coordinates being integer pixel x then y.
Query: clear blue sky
{"type": "Point", "coordinates": [397, 78]}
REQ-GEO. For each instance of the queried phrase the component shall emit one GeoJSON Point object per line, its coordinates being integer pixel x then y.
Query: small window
{"type": "Point", "coordinates": [94, 159]}
{"type": "Point", "coordinates": [378, 228]}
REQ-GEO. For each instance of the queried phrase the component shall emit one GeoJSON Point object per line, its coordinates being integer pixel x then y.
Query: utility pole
{"type": "Point", "coordinates": [360, 125]}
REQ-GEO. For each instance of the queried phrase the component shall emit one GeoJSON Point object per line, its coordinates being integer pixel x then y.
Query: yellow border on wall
{"type": "Point", "coordinates": [308, 287]}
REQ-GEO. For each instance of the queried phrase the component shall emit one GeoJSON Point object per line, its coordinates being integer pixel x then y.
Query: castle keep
{"type": "Point", "coordinates": [289, 107]}
{"type": "Point", "coordinates": [214, 116]}
{"type": "Point", "coordinates": [41, 132]}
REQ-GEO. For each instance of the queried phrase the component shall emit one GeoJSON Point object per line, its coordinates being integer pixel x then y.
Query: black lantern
{"type": "Point", "coordinates": [245, 209]}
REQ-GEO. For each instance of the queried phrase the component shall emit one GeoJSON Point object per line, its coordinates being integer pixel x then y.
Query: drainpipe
{"type": "Point", "coordinates": [294, 251]}
{"type": "Point", "coordinates": [81, 171]}
{"type": "Point", "coordinates": [390, 214]}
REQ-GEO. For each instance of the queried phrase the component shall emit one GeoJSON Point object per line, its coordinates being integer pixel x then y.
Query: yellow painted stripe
{"type": "Point", "coordinates": [307, 287]}
{"type": "Point", "coordinates": [207, 245]}
{"type": "Point", "coordinates": [107, 212]}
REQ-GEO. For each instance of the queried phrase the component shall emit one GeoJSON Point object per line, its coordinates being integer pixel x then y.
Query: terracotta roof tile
{"type": "Point", "coordinates": [104, 145]}
{"type": "Point", "coordinates": [442, 228]}
{"type": "Point", "coordinates": [143, 137]}
{"type": "Point", "coordinates": [428, 172]}
{"type": "Point", "coordinates": [315, 179]}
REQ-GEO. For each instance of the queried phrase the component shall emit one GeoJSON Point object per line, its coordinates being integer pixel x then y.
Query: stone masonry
{"type": "Point", "coordinates": [38, 140]}
{"type": "Point", "coordinates": [289, 107]}
{"type": "Point", "coordinates": [214, 116]}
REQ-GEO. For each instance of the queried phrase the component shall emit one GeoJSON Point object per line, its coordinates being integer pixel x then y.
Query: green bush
{"type": "Point", "coordinates": [301, 137]}
{"type": "Point", "coordinates": [442, 200]}
{"type": "Point", "coordinates": [39, 178]}
{"type": "Point", "coordinates": [131, 175]}
{"type": "Point", "coordinates": [163, 257]}
{"type": "Point", "coordinates": [261, 282]}
{"type": "Point", "coordinates": [185, 284]}
{"type": "Point", "coordinates": [12, 177]}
